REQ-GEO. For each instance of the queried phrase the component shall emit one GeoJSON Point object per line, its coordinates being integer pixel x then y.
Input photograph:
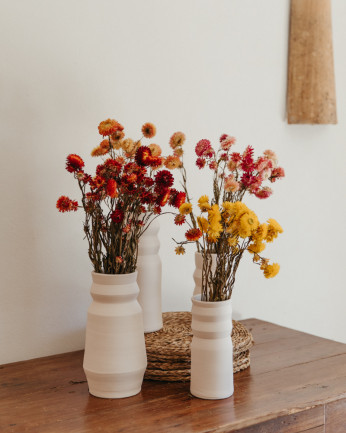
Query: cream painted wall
{"type": "Point", "coordinates": [203, 67]}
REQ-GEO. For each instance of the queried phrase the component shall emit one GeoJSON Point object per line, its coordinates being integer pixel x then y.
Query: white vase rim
{"type": "Point", "coordinates": [196, 299]}
{"type": "Point", "coordinates": [113, 278]}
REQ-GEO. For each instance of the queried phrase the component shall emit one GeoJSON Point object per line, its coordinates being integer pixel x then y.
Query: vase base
{"type": "Point", "coordinates": [206, 396]}
{"type": "Point", "coordinates": [112, 394]}
{"type": "Point", "coordinates": [153, 329]}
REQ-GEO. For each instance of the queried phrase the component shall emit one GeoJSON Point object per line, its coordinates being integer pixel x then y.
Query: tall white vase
{"type": "Point", "coordinates": [211, 349]}
{"type": "Point", "coordinates": [115, 357]}
{"type": "Point", "coordinates": [149, 268]}
{"type": "Point", "coordinates": [197, 275]}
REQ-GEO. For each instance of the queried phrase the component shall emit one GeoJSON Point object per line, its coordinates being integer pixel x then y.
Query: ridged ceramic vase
{"type": "Point", "coordinates": [115, 357]}
{"type": "Point", "coordinates": [197, 275]}
{"type": "Point", "coordinates": [149, 278]}
{"type": "Point", "coordinates": [211, 349]}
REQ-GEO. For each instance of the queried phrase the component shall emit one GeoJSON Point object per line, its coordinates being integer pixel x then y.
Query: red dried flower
{"type": "Point", "coordinates": [143, 156]}
{"type": "Point", "coordinates": [236, 157]}
{"type": "Point", "coordinates": [111, 188]}
{"type": "Point", "coordinates": [163, 197]}
{"type": "Point", "coordinates": [247, 160]}
{"type": "Point", "coordinates": [148, 181]}
{"type": "Point", "coordinates": [247, 180]}
{"type": "Point", "coordinates": [157, 210]}
{"type": "Point", "coordinates": [97, 182]}
{"type": "Point", "coordinates": [223, 137]}
{"type": "Point", "coordinates": [117, 216]}
{"type": "Point", "coordinates": [213, 165]}
{"type": "Point", "coordinates": [94, 196]}
{"type": "Point", "coordinates": [193, 234]}
{"type": "Point", "coordinates": [74, 163]}
{"type": "Point", "coordinates": [164, 179]}
{"type": "Point", "coordinates": [179, 199]}
{"type": "Point", "coordinates": [200, 162]}
{"type": "Point", "coordinates": [65, 204]}
{"type": "Point", "coordinates": [179, 219]}
{"type": "Point", "coordinates": [147, 197]}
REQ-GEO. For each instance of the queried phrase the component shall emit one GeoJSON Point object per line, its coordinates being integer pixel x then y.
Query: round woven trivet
{"type": "Point", "coordinates": [168, 350]}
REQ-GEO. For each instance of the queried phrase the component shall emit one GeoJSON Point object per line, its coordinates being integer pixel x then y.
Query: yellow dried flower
{"type": "Point", "coordinates": [180, 250]}
{"type": "Point", "coordinates": [185, 208]}
{"type": "Point", "coordinates": [271, 270]}
{"type": "Point", "coordinates": [256, 247]}
{"type": "Point", "coordinates": [203, 224]}
{"type": "Point", "coordinates": [274, 229]}
{"type": "Point", "coordinates": [247, 223]}
{"type": "Point", "coordinates": [232, 241]}
{"type": "Point", "coordinates": [260, 234]}
{"type": "Point", "coordinates": [203, 199]}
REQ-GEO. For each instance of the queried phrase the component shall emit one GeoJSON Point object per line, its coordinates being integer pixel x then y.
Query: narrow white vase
{"type": "Point", "coordinates": [149, 268]}
{"type": "Point", "coordinates": [115, 357]}
{"type": "Point", "coordinates": [197, 275]}
{"type": "Point", "coordinates": [211, 349]}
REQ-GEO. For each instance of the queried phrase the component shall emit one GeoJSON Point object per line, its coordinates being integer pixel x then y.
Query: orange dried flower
{"type": "Point", "coordinates": [104, 144]}
{"type": "Point", "coordinates": [74, 163]}
{"type": "Point", "coordinates": [148, 130]}
{"type": "Point", "coordinates": [172, 162]}
{"type": "Point", "coordinates": [109, 126]}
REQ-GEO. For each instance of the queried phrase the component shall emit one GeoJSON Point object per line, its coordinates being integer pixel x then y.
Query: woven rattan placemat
{"type": "Point", "coordinates": [168, 350]}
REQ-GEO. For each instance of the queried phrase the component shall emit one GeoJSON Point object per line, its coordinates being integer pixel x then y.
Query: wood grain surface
{"type": "Point", "coordinates": [295, 383]}
{"type": "Point", "coordinates": [311, 87]}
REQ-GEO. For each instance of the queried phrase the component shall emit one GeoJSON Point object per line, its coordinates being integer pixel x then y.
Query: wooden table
{"type": "Point", "coordinates": [296, 383]}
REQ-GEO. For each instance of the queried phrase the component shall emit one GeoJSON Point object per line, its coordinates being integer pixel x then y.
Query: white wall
{"type": "Point", "coordinates": [203, 67]}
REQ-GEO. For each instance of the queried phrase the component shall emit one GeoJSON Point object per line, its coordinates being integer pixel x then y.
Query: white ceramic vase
{"type": "Point", "coordinates": [211, 349]}
{"type": "Point", "coordinates": [197, 275]}
{"type": "Point", "coordinates": [115, 357]}
{"type": "Point", "coordinates": [149, 268]}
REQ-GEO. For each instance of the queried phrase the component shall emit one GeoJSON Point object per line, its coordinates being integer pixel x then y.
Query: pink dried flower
{"type": "Point", "coordinates": [213, 165]}
{"type": "Point", "coordinates": [202, 146]}
{"type": "Point", "coordinates": [119, 259]}
{"type": "Point", "coordinates": [277, 173]}
{"type": "Point", "coordinates": [227, 142]}
{"type": "Point", "coordinates": [231, 185]}
{"type": "Point", "coordinates": [264, 193]}
{"type": "Point", "coordinates": [200, 162]}
{"type": "Point", "coordinates": [127, 228]}
{"type": "Point", "coordinates": [272, 156]}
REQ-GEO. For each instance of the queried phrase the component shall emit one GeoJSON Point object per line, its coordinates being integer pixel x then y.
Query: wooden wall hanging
{"type": "Point", "coordinates": [311, 86]}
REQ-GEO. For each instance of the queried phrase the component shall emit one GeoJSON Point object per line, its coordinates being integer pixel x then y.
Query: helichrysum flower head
{"type": "Point", "coordinates": [148, 130]}
{"type": "Point", "coordinates": [109, 126]}
{"type": "Point", "coordinates": [65, 204]}
{"type": "Point", "coordinates": [193, 234]}
{"type": "Point", "coordinates": [274, 229]}
{"type": "Point", "coordinates": [271, 271]}
{"type": "Point", "coordinates": [185, 208]}
{"type": "Point", "coordinates": [177, 140]}
{"type": "Point", "coordinates": [180, 250]}
{"type": "Point", "coordinates": [74, 163]}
